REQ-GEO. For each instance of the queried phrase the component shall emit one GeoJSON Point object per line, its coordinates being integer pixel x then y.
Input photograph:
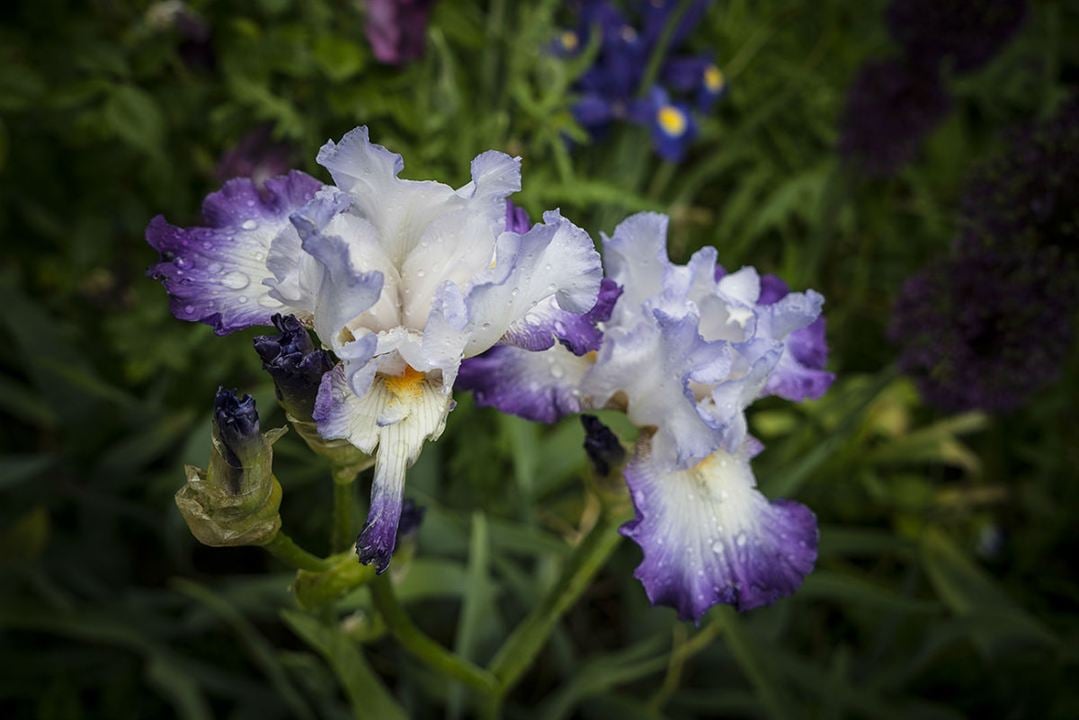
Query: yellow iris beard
{"type": "Point", "coordinates": [672, 120]}
{"type": "Point", "coordinates": [407, 384]}
{"type": "Point", "coordinates": [713, 78]}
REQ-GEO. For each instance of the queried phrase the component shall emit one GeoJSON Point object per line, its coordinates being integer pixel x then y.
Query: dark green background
{"type": "Point", "coordinates": [108, 607]}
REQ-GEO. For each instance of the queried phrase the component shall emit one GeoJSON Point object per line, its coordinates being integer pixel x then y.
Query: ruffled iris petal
{"type": "Point", "coordinates": [710, 537]}
{"type": "Point", "coordinates": [215, 274]}
{"type": "Point", "coordinates": [538, 386]}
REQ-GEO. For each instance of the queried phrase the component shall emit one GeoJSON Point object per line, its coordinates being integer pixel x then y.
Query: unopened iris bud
{"type": "Point", "coordinates": [235, 501]}
{"type": "Point", "coordinates": [603, 447]}
{"type": "Point", "coordinates": [297, 367]}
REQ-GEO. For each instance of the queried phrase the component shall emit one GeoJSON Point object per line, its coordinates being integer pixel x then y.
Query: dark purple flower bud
{"type": "Point", "coordinates": [984, 331]}
{"type": "Point", "coordinates": [256, 156]}
{"type": "Point", "coordinates": [892, 106]}
{"type": "Point", "coordinates": [236, 426]}
{"type": "Point", "coordinates": [295, 365]}
{"type": "Point", "coordinates": [964, 33]}
{"type": "Point", "coordinates": [396, 29]}
{"type": "Point", "coordinates": [603, 447]}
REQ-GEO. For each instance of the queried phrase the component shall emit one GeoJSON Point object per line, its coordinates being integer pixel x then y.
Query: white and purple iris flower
{"type": "Point", "coordinates": [401, 279]}
{"type": "Point", "coordinates": [683, 350]}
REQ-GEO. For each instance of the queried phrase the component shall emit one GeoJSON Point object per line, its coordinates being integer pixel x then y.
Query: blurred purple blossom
{"type": "Point", "coordinates": [397, 29]}
{"type": "Point", "coordinates": [965, 33]}
{"type": "Point", "coordinates": [256, 156]}
{"type": "Point", "coordinates": [1028, 197]}
{"type": "Point", "coordinates": [983, 331]}
{"type": "Point", "coordinates": [892, 106]}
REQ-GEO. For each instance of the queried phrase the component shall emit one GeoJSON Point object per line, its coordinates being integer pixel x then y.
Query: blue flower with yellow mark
{"type": "Point", "coordinates": [672, 124]}
{"type": "Point", "coordinates": [614, 88]}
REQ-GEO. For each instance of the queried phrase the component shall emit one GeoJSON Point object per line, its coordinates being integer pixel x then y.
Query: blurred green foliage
{"type": "Point", "coordinates": [945, 586]}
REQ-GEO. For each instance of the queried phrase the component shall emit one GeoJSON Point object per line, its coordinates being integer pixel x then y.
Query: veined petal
{"type": "Point", "coordinates": [555, 258]}
{"type": "Point", "coordinates": [392, 421]}
{"type": "Point", "coordinates": [709, 536]}
{"type": "Point", "coordinates": [215, 274]}
{"type": "Point", "coordinates": [547, 323]}
{"type": "Point", "coordinates": [540, 386]}
{"type": "Point", "coordinates": [636, 258]}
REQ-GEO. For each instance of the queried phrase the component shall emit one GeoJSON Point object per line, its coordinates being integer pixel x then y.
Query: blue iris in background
{"type": "Point", "coordinates": [617, 86]}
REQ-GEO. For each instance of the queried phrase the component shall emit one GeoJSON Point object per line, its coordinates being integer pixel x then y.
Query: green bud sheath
{"type": "Point", "coordinates": [230, 505]}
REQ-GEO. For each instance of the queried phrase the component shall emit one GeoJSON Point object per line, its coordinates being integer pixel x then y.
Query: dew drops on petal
{"type": "Point", "coordinates": [236, 280]}
{"type": "Point", "coordinates": [249, 225]}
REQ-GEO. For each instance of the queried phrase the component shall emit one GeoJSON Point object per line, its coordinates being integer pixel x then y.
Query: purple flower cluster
{"type": "Point", "coordinates": [894, 104]}
{"type": "Point", "coordinates": [965, 34]}
{"type": "Point", "coordinates": [614, 88]}
{"type": "Point", "coordinates": [989, 326]}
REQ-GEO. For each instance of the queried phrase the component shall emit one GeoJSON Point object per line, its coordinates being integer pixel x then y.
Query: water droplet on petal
{"type": "Point", "coordinates": [242, 299]}
{"type": "Point", "coordinates": [235, 280]}
{"type": "Point", "coordinates": [249, 225]}
{"type": "Point", "coordinates": [557, 371]}
{"type": "Point", "coordinates": [189, 309]}
{"type": "Point", "coordinates": [268, 302]}
{"type": "Point", "coordinates": [717, 547]}
{"type": "Point", "coordinates": [740, 539]}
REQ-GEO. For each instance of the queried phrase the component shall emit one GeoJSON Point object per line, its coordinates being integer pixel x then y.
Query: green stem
{"type": "Point", "coordinates": [343, 574]}
{"type": "Point", "coordinates": [284, 549]}
{"type": "Point", "coordinates": [659, 53]}
{"type": "Point", "coordinates": [342, 535]}
{"type": "Point", "coordinates": [424, 648]}
{"type": "Point", "coordinates": [522, 647]}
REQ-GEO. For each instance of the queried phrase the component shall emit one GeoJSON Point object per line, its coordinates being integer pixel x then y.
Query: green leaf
{"type": "Point", "coordinates": [16, 469]}
{"type": "Point", "coordinates": [338, 58]}
{"type": "Point", "coordinates": [133, 115]}
{"type": "Point", "coordinates": [846, 588]}
{"type": "Point", "coordinates": [604, 672]}
{"type": "Point", "coordinates": [365, 691]}
{"type": "Point", "coordinates": [477, 606]}
{"type": "Point", "coordinates": [261, 651]}
{"type": "Point", "coordinates": [755, 663]}
{"type": "Point", "coordinates": [997, 623]}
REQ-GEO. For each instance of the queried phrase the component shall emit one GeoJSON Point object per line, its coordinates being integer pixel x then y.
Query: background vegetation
{"type": "Point", "coordinates": [946, 585]}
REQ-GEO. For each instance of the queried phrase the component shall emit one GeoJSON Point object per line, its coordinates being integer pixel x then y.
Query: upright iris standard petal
{"type": "Point", "coordinates": [709, 536]}
{"type": "Point", "coordinates": [657, 366]}
{"type": "Point", "coordinates": [215, 274]}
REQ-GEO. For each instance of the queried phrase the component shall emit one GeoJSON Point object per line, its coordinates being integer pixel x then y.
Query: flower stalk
{"type": "Point", "coordinates": [423, 647]}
